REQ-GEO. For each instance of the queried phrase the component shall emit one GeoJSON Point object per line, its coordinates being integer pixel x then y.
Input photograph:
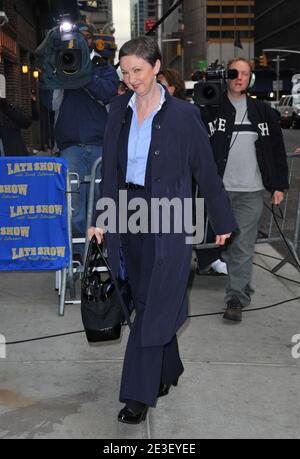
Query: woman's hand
{"type": "Point", "coordinates": [98, 232]}
{"type": "Point", "coordinates": [277, 198]}
{"type": "Point", "coordinates": [221, 239]}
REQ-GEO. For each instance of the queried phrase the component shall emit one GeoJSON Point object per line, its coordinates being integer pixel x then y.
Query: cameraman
{"type": "Point", "coordinates": [80, 120]}
{"type": "Point", "coordinates": [250, 155]}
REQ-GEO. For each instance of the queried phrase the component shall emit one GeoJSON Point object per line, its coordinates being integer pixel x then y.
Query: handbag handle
{"type": "Point", "coordinates": [124, 307]}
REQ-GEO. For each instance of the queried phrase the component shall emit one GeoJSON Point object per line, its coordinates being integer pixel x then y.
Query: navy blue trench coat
{"type": "Point", "coordinates": [179, 149]}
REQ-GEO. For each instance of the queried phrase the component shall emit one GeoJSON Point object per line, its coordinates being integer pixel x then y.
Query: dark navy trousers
{"type": "Point", "coordinates": [144, 367]}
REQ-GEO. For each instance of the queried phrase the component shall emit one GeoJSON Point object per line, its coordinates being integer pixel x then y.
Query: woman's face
{"type": "Point", "coordinates": [138, 74]}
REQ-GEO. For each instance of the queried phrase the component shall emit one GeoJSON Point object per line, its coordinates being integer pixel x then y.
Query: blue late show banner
{"type": "Point", "coordinates": [33, 214]}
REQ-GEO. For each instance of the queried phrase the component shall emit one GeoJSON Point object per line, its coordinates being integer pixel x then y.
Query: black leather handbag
{"type": "Point", "coordinates": [105, 301]}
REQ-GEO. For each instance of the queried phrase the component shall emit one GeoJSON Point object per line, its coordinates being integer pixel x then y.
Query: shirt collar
{"type": "Point", "coordinates": [132, 101]}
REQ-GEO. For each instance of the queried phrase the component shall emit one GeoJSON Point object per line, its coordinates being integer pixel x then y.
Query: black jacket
{"type": "Point", "coordinates": [270, 149]}
{"type": "Point", "coordinates": [12, 119]}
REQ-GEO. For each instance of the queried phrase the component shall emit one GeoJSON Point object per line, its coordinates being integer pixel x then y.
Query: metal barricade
{"type": "Point", "coordinates": [294, 241]}
{"type": "Point", "coordinates": [267, 233]}
{"type": "Point", "coordinates": [66, 280]}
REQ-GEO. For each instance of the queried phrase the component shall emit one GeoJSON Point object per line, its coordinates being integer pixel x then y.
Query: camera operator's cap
{"type": "Point", "coordinates": [84, 27]}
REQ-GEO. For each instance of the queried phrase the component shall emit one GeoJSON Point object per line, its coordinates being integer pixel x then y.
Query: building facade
{"type": "Point", "coordinates": [142, 12]}
{"type": "Point", "coordinates": [18, 41]}
{"type": "Point", "coordinates": [145, 13]}
{"type": "Point", "coordinates": [194, 42]}
{"type": "Point", "coordinates": [230, 30]}
{"type": "Point", "coordinates": [218, 30]}
{"type": "Point", "coordinates": [138, 17]}
{"type": "Point", "coordinates": [173, 56]}
{"type": "Point", "coordinates": [98, 13]}
{"type": "Point", "coordinates": [277, 26]}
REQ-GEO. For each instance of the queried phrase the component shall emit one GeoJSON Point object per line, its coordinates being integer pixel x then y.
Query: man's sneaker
{"type": "Point", "coordinates": [220, 267]}
{"type": "Point", "coordinates": [234, 310]}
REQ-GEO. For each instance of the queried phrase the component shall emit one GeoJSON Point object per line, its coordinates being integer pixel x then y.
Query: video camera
{"type": "Point", "coordinates": [63, 58]}
{"type": "Point", "coordinates": [212, 84]}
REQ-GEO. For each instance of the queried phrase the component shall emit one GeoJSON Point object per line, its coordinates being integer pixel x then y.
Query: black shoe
{"type": "Point", "coordinates": [207, 272]}
{"type": "Point", "coordinates": [127, 416]}
{"type": "Point", "coordinates": [234, 310]}
{"type": "Point", "coordinates": [163, 390]}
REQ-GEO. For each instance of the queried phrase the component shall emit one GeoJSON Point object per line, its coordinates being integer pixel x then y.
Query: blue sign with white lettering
{"type": "Point", "coordinates": [33, 214]}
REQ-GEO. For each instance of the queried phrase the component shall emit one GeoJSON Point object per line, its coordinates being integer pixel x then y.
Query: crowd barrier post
{"type": "Point", "coordinates": [293, 244]}
{"type": "Point", "coordinates": [76, 269]}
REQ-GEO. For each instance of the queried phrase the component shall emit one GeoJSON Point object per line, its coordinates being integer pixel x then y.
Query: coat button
{"type": "Point", "coordinates": [157, 126]}
{"type": "Point", "coordinates": [158, 180]}
{"type": "Point", "coordinates": [157, 153]}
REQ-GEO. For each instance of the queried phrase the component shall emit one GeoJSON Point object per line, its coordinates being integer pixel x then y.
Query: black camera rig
{"type": "Point", "coordinates": [63, 58]}
{"type": "Point", "coordinates": [212, 84]}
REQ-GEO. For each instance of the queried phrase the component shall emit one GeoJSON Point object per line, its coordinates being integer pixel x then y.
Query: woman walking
{"type": "Point", "coordinates": [154, 144]}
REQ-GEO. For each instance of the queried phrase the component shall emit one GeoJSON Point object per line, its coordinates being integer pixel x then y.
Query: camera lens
{"type": "Point", "coordinates": [209, 92]}
{"type": "Point", "coordinates": [69, 61]}
{"type": "Point", "coordinates": [68, 58]}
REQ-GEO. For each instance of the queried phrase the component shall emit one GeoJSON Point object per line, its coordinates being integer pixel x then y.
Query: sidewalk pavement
{"type": "Point", "coordinates": [240, 380]}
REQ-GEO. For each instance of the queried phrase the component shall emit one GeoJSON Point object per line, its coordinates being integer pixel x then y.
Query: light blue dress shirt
{"type": "Point", "coordinates": [139, 142]}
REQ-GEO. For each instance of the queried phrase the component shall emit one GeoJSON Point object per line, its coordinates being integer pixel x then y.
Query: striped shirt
{"type": "Point", "coordinates": [242, 171]}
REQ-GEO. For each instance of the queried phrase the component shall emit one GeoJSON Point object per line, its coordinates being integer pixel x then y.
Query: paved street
{"type": "Point", "coordinates": [240, 380]}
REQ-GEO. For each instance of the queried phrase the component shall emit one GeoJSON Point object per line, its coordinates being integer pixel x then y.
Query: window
{"type": "Point", "coordinates": [296, 100]}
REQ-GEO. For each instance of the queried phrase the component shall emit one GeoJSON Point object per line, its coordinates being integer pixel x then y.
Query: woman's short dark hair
{"type": "Point", "coordinates": [144, 47]}
{"type": "Point", "coordinates": [174, 78]}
